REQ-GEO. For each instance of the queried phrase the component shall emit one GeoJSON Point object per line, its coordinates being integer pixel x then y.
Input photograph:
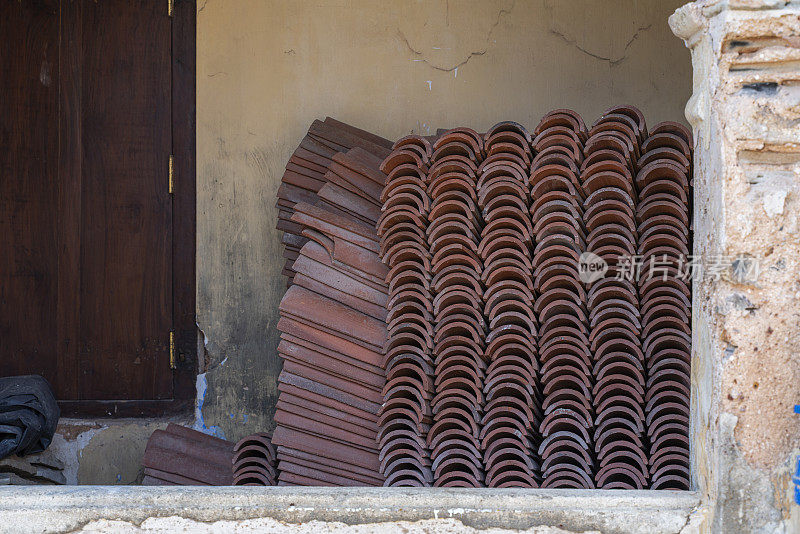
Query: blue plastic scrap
{"type": "Point", "coordinates": [796, 477]}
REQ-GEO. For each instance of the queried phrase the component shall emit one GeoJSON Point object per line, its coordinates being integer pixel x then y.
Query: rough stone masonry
{"type": "Point", "coordinates": [745, 111]}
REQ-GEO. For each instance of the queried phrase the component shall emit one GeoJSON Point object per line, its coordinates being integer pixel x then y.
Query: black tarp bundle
{"type": "Point", "coordinates": [28, 415]}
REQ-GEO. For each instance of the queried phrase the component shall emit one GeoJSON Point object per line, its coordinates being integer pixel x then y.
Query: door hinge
{"type": "Point", "coordinates": [172, 364]}
{"type": "Point", "coordinates": [171, 174]}
{"type": "Point", "coordinates": [170, 7]}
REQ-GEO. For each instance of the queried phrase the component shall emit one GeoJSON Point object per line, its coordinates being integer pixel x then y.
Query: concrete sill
{"type": "Point", "coordinates": [62, 508]}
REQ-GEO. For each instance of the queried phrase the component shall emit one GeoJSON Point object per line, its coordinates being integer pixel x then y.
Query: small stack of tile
{"type": "Point", "coordinates": [509, 435]}
{"type": "Point", "coordinates": [405, 415]}
{"type": "Point", "coordinates": [180, 456]}
{"type": "Point", "coordinates": [255, 461]}
{"type": "Point", "coordinates": [32, 469]}
{"type": "Point", "coordinates": [664, 215]}
{"type": "Point", "coordinates": [307, 175]}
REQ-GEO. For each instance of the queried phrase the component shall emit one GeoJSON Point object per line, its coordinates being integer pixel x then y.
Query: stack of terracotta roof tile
{"type": "Point", "coordinates": [664, 218]}
{"type": "Point", "coordinates": [459, 329]}
{"type": "Point", "coordinates": [329, 390]}
{"type": "Point", "coordinates": [255, 461]}
{"type": "Point", "coordinates": [509, 434]}
{"type": "Point", "coordinates": [333, 331]}
{"type": "Point", "coordinates": [180, 456]}
{"type": "Point", "coordinates": [440, 329]}
{"type": "Point", "coordinates": [307, 174]}
{"type": "Point", "coordinates": [405, 416]}
{"type": "Point", "coordinates": [611, 153]}
{"type": "Point", "coordinates": [560, 237]}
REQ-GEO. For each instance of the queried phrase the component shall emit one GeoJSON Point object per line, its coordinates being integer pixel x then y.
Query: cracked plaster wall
{"type": "Point", "coordinates": [267, 68]}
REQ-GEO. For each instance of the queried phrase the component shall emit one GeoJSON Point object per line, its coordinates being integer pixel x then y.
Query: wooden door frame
{"type": "Point", "coordinates": [184, 237]}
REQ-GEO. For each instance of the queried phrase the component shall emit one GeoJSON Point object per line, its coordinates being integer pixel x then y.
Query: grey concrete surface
{"type": "Point", "coordinates": [63, 509]}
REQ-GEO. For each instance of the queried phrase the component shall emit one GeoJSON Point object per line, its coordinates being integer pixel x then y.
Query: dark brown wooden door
{"type": "Point", "coordinates": [28, 187]}
{"type": "Point", "coordinates": [85, 142]}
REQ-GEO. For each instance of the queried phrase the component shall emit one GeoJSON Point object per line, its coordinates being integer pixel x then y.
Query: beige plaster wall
{"type": "Point", "coordinates": [267, 68]}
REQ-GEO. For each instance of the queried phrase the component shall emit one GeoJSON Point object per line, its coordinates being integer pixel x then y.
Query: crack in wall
{"type": "Point", "coordinates": [612, 61]}
{"type": "Point", "coordinates": [416, 52]}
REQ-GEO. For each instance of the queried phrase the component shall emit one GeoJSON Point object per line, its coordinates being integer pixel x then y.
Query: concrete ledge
{"type": "Point", "coordinates": [58, 509]}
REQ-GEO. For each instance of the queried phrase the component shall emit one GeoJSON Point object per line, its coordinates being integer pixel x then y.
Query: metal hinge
{"type": "Point", "coordinates": [170, 7]}
{"type": "Point", "coordinates": [171, 173]}
{"type": "Point", "coordinates": [172, 364]}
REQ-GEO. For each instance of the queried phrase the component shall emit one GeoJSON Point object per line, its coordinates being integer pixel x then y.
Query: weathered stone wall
{"type": "Point", "coordinates": [745, 110]}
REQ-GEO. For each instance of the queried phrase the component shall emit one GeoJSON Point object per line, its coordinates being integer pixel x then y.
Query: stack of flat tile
{"type": "Point", "coordinates": [560, 237]}
{"type": "Point", "coordinates": [611, 153]}
{"type": "Point", "coordinates": [307, 173]}
{"type": "Point", "coordinates": [180, 456]}
{"type": "Point", "coordinates": [333, 332]}
{"type": "Point", "coordinates": [255, 461]}
{"type": "Point", "coordinates": [405, 415]}
{"type": "Point", "coordinates": [663, 214]}
{"type": "Point", "coordinates": [459, 328]}
{"type": "Point", "coordinates": [510, 433]}
{"type": "Point", "coordinates": [340, 262]}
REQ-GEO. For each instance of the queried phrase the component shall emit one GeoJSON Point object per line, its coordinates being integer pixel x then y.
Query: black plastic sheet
{"type": "Point", "coordinates": [28, 415]}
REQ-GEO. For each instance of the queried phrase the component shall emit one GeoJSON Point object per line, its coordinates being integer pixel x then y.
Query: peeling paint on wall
{"type": "Point", "coordinates": [199, 420]}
